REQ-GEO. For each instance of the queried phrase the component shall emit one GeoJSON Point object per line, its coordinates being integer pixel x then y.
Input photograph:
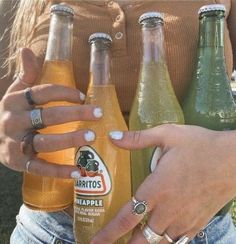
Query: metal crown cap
{"type": "Point", "coordinates": [62, 8]}
{"type": "Point", "coordinates": [150, 15]}
{"type": "Point", "coordinates": [99, 35]}
{"type": "Point", "coordinates": [212, 7]}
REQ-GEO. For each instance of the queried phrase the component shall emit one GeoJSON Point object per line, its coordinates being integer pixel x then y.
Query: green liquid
{"type": "Point", "coordinates": [155, 104]}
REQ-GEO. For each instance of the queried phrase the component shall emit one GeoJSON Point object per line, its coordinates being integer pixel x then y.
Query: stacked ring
{"type": "Point", "coordinates": [28, 96]}
{"type": "Point", "coordinates": [151, 236]}
{"type": "Point", "coordinates": [36, 118]}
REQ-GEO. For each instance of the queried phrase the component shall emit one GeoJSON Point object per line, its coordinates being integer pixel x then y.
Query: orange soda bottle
{"type": "Point", "coordinates": [105, 185]}
{"type": "Point", "coordinates": [48, 193]}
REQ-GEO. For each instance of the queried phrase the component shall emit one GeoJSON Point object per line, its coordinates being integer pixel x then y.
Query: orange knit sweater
{"type": "Point", "coordinates": [120, 20]}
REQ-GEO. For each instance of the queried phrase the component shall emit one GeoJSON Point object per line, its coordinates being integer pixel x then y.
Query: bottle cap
{"type": "Point", "coordinates": [150, 15]}
{"type": "Point", "coordinates": [99, 35]}
{"type": "Point", "coordinates": [62, 8]}
{"type": "Point", "coordinates": [212, 7]}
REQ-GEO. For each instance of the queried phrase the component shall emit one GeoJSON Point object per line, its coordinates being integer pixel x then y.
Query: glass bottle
{"type": "Point", "coordinates": [155, 102]}
{"type": "Point", "coordinates": [48, 193]}
{"type": "Point", "coordinates": [105, 183]}
{"type": "Point", "coordinates": [209, 101]}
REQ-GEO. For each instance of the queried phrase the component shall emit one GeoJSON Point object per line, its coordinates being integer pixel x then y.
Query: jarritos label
{"type": "Point", "coordinates": [95, 180]}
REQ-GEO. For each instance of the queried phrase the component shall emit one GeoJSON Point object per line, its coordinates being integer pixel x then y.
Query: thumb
{"type": "Point", "coordinates": [28, 73]}
{"type": "Point", "coordinates": [140, 139]}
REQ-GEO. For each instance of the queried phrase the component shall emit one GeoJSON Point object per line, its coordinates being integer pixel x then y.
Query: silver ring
{"type": "Point", "coordinates": [151, 236]}
{"type": "Point", "coordinates": [27, 166]}
{"type": "Point", "coordinates": [182, 240]}
{"type": "Point", "coordinates": [28, 96]}
{"type": "Point", "coordinates": [139, 207]}
{"type": "Point", "coordinates": [168, 238]}
{"type": "Point", "coordinates": [36, 118]}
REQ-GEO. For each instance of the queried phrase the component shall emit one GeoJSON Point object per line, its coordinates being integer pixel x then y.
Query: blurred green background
{"type": "Point", "coordinates": [10, 201]}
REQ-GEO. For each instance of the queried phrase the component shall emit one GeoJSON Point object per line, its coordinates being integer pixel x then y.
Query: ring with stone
{"type": "Point", "coordinates": [36, 118]}
{"type": "Point", "coordinates": [151, 236]}
{"type": "Point", "coordinates": [139, 207]}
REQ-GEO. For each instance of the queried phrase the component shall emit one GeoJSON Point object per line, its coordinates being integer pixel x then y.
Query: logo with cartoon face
{"type": "Point", "coordinates": [95, 178]}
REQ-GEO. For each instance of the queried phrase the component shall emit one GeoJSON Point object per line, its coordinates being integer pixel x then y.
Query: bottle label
{"type": "Point", "coordinates": [95, 180]}
{"type": "Point", "coordinates": [157, 153]}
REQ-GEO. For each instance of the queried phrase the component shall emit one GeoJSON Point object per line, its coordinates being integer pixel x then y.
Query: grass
{"type": "Point", "coordinates": [10, 201]}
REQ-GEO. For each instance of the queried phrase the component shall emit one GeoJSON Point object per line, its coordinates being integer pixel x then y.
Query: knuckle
{"type": "Point", "coordinates": [7, 101]}
{"type": "Point", "coordinates": [8, 122]}
{"type": "Point", "coordinates": [125, 223]}
{"type": "Point", "coordinates": [137, 137]}
{"type": "Point", "coordinates": [73, 139]}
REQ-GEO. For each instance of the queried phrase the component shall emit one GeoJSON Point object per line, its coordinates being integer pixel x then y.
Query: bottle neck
{"type": "Point", "coordinates": [60, 37]}
{"type": "Point", "coordinates": [211, 59]}
{"type": "Point", "coordinates": [211, 31]}
{"type": "Point", "coordinates": [153, 41]}
{"type": "Point", "coordinates": [100, 63]}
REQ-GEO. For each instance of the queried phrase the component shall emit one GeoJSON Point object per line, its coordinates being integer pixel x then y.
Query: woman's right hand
{"type": "Point", "coordinates": [15, 122]}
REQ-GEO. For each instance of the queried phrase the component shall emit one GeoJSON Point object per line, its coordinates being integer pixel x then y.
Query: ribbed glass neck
{"type": "Point", "coordinates": [60, 38]}
{"type": "Point", "coordinates": [100, 62]}
{"type": "Point", "coordinates": [153, 41]}
{"type": "Point", "coordinates": [211, 29]}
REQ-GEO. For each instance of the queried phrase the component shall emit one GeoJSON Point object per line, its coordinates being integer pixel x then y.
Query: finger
{"type": "Point", "coordinates": [43, 94]}
{"type": "Point", "coordinates": [41, 167]}
{"type": "Point", "coordinates": [125, 220]}
{"type": "Point", "coordinates": [141, 139]}
{"type": "Point", "coordinates": [29, 71]}
{"type": "Point", "coordinates": [60, 115]}
{"type": "Point", "coordinates": [50, 143]}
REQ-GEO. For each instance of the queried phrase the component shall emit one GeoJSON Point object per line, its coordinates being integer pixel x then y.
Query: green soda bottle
{"type": "Point", "coordinates": [155, 102]}
{"type": "Point", "coordinates": [209, 101]}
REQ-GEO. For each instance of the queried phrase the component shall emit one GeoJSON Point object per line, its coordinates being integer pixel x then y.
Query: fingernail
{"type": "Point", "coordinates": [82, 96]}
{"type": "Point", "coordinates": [183, 240]}
{"type": "Point", "coordinates": [75, 175]}
{"type": "Point", "coordinates": [97, 112]}
{"type": "Point", "coordinates": [116, 135]}
{"type": "Point", "coordinates": [89, 136]}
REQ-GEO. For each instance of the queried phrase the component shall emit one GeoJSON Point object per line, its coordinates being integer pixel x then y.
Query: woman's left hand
{"type": "Point", "coordinates": [193, 180]}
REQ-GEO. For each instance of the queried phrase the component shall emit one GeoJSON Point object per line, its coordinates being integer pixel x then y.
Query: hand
{"type": "Point", "coordinates": [193, 180]}
{"type": "Point", "coordinates": [15, 121]}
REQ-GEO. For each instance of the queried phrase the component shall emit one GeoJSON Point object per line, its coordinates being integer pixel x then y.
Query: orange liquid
{"type": "Point", "coordinates": [47, 193]}
{"type": "Point", "coordinates": [105, 186]}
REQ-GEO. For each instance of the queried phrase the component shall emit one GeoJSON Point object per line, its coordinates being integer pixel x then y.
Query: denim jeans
{"type": "Point", "coordinates": [36, 227]}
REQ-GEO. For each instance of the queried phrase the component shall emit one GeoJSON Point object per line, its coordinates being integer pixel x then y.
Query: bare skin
{"type": "Point", "coordinates": [183, 187]}
{"type": "Point", "coordinates": [194, 179]}
{"type": "Point", "coordinates": [15, 121]}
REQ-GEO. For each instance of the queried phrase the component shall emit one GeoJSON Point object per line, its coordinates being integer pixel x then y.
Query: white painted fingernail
{"type": "Point", "coordinates": [75, 175]}
{"type": "Point", "coordinates": [82, 96]}
{"type": "Point", "coordinates": [97, 112]}
{"type": "Point", "coordinates": [116, 135]}
{"type": "Point", "coordinates": [183, 240]}
{"type": "Point", "coordinates": [89, 136]}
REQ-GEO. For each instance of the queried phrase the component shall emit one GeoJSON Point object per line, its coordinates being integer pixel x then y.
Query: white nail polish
{"type": "Point", "coordinates": [97, 112]}
{"type": "Point", "coordinates": [82, 96]}
{"type": "Point", "coordinates": [116, 135]}
{"type": "Point", "coordinates": [183, 240]}
{"type": "Point", "coordinates": [75, 175]}
{"type": "Point", "coordinates": [89, 136]}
